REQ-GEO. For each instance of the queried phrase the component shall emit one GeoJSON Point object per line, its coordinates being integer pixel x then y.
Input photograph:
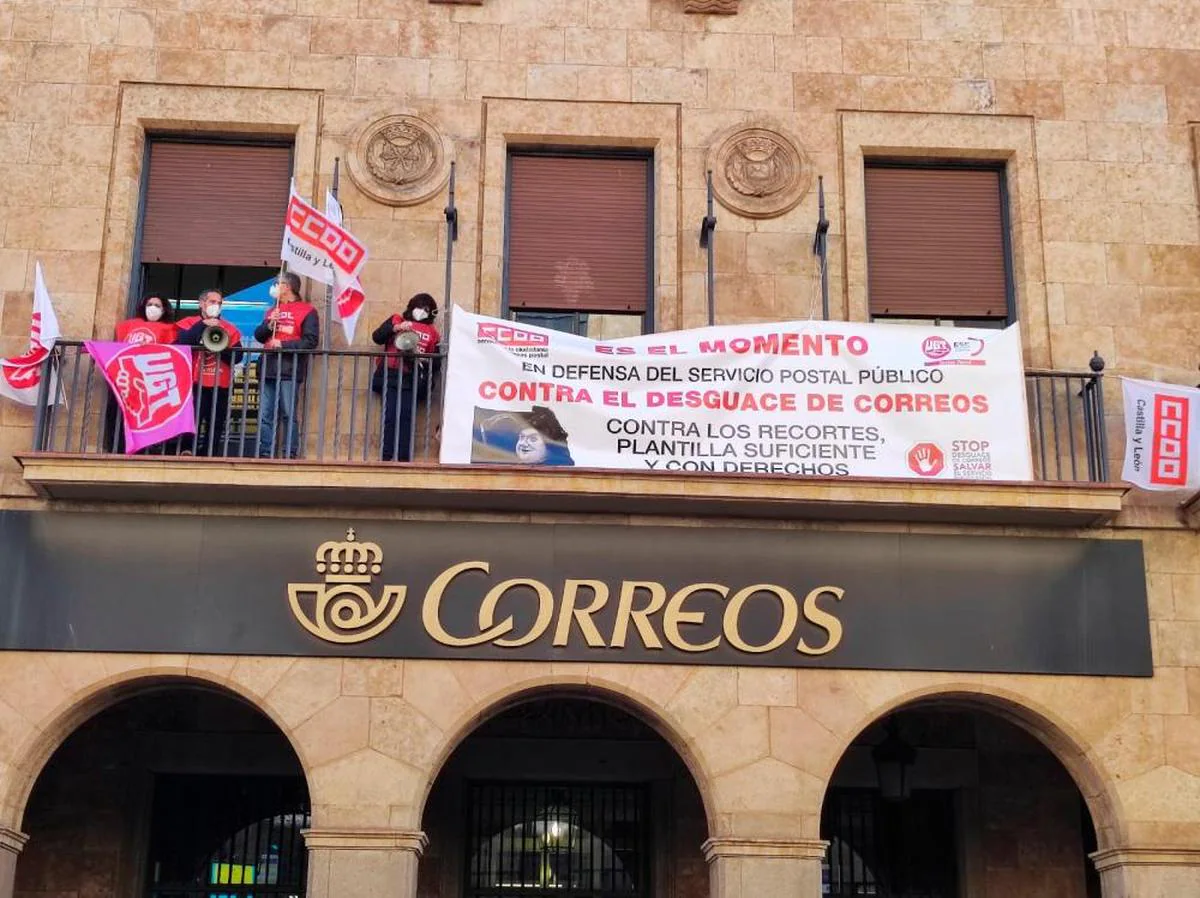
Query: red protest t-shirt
{"type": "Point", "coordinates": [426, 333]}
{"type": "Point", "coordinates": [208, 368]}
{"type": "Point", "coordinates": [140, 331]}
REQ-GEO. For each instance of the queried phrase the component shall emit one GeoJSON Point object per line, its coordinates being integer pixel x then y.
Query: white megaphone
{"type": "Point", "coordinates": [407, 341]}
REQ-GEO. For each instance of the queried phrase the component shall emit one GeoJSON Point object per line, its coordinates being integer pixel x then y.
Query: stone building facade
{"type": "Point", "coordinates": [1062, 785]}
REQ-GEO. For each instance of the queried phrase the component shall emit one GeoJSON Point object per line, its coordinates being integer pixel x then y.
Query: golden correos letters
{"type": "Point", "coordinates": [344, 610]}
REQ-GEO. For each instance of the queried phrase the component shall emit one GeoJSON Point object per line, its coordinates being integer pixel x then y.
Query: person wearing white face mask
{"type": "Point", "coordinates": [401, 383]}
{"type": "Point", "coordinates": [212, 375]}
{"type": "Point", "coordinates": [292, 324]}
{"type": "Point", "coordinates": [152, 322]}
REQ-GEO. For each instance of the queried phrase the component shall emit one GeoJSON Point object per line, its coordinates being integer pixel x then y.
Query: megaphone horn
{"type": "Point", "coordinates": [215, 338]}
{"type": "Point", "coordinates": [407, 341]}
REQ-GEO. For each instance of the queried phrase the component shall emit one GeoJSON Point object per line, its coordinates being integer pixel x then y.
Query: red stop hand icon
{"type": "Point", "coordinates": [926, 459]}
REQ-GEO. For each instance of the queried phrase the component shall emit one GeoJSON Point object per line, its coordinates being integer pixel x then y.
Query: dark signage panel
{"type": "Point", "coordinates": [569, 592]}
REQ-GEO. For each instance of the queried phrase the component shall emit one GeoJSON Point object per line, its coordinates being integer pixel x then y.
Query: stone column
{"type": "Point", "coordinates": [758, 868]}
{"type": "Point", "coordinates": [11, 843]}
{"type": "Point", "coordinates": [345, 863]}
{"type": "Point", "coordinates": [1148, 872]}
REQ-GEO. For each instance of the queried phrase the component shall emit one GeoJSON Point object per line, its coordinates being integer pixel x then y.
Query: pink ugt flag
{"type": "Point", "coordinates": [152, 383]}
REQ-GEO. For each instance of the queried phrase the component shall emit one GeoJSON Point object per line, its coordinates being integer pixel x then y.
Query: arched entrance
{"type": "Point", "coordinates": [564, 797]}
{"type": "Point", "coordinates": [947, 799]}
{"type": "Point", "coordinates": [178, 791]}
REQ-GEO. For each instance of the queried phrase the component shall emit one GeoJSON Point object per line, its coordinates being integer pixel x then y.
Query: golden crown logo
{"type": "Point", "coordinates": [342, 608]}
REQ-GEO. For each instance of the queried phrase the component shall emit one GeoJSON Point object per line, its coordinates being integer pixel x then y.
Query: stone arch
{"type": "Point", "coordinates": [57, 726]}
{"type": "Point", "coordinates": [1053, 733]}
{"type": "Point", "coordinates": [638, 706]}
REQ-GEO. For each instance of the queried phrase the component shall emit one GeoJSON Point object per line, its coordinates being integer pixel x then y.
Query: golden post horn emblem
{"type": "Point", "coordinates": [343, 610]}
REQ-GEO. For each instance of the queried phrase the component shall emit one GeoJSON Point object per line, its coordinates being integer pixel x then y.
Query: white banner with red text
{"type": "Point", "coordinates": [825, 399]}
{"type": "Point", "coordinates": [1161, 451]}
{"type": "Point", "coordinates": [152, 383]}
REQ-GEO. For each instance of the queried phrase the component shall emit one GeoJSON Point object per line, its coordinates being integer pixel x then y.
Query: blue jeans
{"type": "Point", "coordinates": [277, 405]}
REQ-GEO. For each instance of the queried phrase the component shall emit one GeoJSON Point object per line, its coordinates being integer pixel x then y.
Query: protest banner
{"type": "Point", "coordinates": [1160, 453]}
{"type": "Point", "coordinates": [826, 399]}
{"type": "Point", "coordinates": [152, 384]}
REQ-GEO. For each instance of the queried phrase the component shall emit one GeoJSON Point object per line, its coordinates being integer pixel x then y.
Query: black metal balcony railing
{"type": "Point", "coordinates": [1066, 424]}
{"type": "Point", "coordinates": [349, 410]}
{"type": "Point", "coordinates": [348, 407]}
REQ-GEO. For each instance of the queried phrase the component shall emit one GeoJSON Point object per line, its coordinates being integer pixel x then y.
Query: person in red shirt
{"type": "Point", "coordinates": [153, 321]}
{"type": "Point", "coordinates": [401, 383]}
{"type": "Point", "coordinates": [212, 375]}
{"type": "Point", "coordinates": [291, 324]}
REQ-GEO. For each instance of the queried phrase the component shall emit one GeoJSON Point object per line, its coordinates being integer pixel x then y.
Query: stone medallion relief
{"type": "Point", "coordinates": [399, 160]}
{"type": "Point", "coordinates": [759, 171]}
{"type": "Point", "coordinates": [714, 7]}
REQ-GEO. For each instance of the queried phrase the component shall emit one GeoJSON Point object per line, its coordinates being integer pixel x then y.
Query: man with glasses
{"type": "Point", "coordinates": [291, 324]}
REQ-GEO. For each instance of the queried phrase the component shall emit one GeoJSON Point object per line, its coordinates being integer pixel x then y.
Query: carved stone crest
{"type": "Point", "coordinates": [759, 171]}
{"type": "Point", "coordinates": [715, 7]}
{"type": "Point", "coordinates": [399, 160]}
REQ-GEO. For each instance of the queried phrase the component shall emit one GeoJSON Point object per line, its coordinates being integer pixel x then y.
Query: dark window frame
{"type": "Point", "coordinates": [589, 152]}
{"type": "Point", "coordinates": [137, 278]}
{"type": "Point", "coordinates": [472, 814]}
{"type": "Point", "coordinates": [1000, 167]}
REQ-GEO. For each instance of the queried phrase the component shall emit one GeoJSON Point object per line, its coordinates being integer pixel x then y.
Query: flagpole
{"type": "Point", "coordinates": [329, 287]}
{"type": "Point", "coordinates": [451, 213]}
{"type": "Point", "coordinates": [326, 330]}
{"type": "Point", "coordinates": [821, 247]}
{"type": "Point", "coordinates": [43, 398]}
{"type": "Point", "coordinates": [707, 226]}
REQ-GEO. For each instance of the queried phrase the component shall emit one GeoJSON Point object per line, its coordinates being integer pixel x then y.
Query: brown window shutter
{"type": "Point", "coordinates": [935, 243]}
{"type": "Point", "coordinates": [578, 233]}
{"type": "Point", "coordinates": [215, 204]}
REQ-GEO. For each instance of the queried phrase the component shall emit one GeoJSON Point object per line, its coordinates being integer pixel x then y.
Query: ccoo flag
{"type": "Point", "coordinates": [21, 376]}
{"type": "Point", "coordinates": [1160, 448]}
{"type": "Point", "coordinates": [317, 246]}
{"type": "Point", "coordinates": [349, 297]}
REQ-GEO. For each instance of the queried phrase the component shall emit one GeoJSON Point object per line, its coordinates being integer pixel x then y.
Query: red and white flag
{"type": "Point", "coordinates": [348, 298]}
{"type": "Point", "coordinates": [1161, 452]}
{"type": "Point", "coordinates": [317, 246]}
{"type": "Point", "coordinates": [21, 376]}
{"type": "Point", "coordinates": [152, 383]}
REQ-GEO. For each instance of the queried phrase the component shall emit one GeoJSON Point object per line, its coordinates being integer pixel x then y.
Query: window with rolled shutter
{"type": "Point", "coordinates": [938, 243]}
{"type": "Point", "coordinates": [219, 204]}
{"type": "Point", "coordinates": [579, 233]}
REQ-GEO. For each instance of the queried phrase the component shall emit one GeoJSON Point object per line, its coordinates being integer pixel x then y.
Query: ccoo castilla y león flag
{"type": "Point", "coordinates": [1161, 451]}
{"type": "Point", "coordinates": [317, 246]}
{"type": "Point", "coordinates": [348, 296]}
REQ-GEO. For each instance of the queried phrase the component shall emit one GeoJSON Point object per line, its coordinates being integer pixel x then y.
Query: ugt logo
{"type": "Point", "coordinates": [342, 609]}
{"type": "Point", "coordinates": [150, 382]}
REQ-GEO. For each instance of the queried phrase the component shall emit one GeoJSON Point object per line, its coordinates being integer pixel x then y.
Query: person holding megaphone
{"type": "Point", "coordinates": [212, 373]}
{"type": "Point", "coordinates": [402, 384]}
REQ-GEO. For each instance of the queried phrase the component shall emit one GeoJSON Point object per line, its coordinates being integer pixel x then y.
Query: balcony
{"type": "Point", "coordinates": [77, 455]}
